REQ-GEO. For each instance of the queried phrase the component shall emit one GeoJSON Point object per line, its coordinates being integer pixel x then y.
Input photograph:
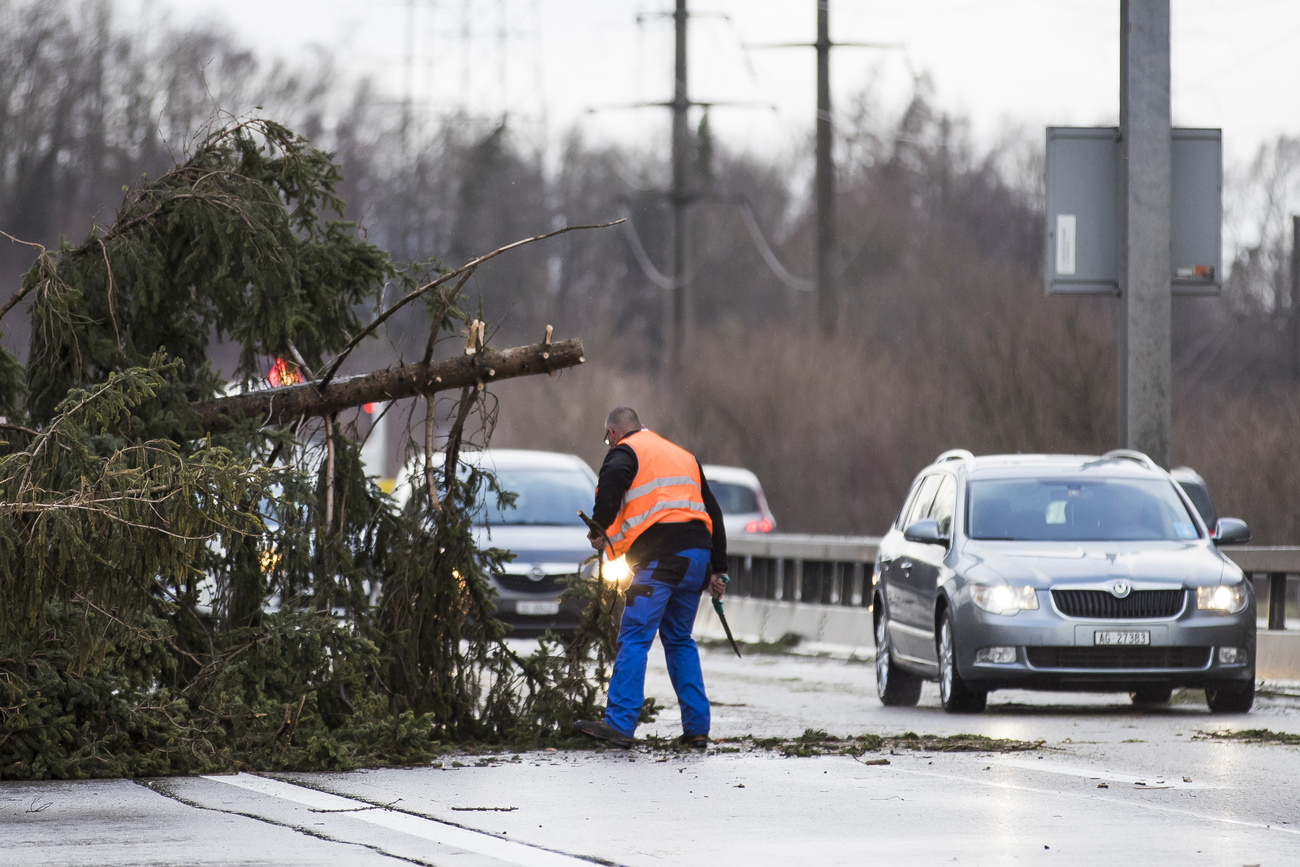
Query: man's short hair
{"type": "Point", "coordinates": [623, 418]}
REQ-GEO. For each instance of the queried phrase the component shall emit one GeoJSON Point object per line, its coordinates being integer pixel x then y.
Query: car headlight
{"type": "Point", "coordinates": [1003, 598]}
{"type": "Point", "coordinates": [1224, 599]}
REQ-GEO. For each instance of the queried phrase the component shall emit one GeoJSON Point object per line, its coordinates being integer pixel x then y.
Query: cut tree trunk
{"type": "Point", "coordinates": [282, 405]}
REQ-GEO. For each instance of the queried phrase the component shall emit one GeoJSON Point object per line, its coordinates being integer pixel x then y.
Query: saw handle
{"type": "Point", "coordinates": [717, 600]}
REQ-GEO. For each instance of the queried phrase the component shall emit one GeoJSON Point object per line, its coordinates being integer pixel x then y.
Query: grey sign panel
{"type": "Point", "coordinates": [1197, 217]}
{"type": "Point", "coordinates": [1081, 254]}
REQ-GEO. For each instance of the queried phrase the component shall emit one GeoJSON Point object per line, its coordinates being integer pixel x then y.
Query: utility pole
{"type": "Point", "coordinates": [827, 291]}
{"type": "Point", "coordinates": [408, 88]}
{"type": "Point", "coordinates": [677, 302]}
{"type": "Point", "coordinates": [680, 194]}
{"type": "Point", "coordinates": [1294, 313]}
{"type": "Point", "coordinates": [1145, 201]}
{"type": "Point", "coordinates": [826, 266]}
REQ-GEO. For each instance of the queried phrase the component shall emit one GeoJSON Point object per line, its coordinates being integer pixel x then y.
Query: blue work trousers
{"type": "Point", "coordinates": [658, 600]}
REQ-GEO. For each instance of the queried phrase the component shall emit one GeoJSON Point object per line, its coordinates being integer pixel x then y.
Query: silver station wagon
{"type": "Point", "coordinates": [1060, 572]}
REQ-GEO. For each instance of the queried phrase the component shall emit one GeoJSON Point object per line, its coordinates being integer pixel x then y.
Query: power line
{"type": "Point", "coordinates": [826, 267]}
{"type": "Point", "coordinates": [750, 219]}
{"type": "Point", "coordinates": [799, 284]}
{"type": "Point", "coordinates": [647, 265]}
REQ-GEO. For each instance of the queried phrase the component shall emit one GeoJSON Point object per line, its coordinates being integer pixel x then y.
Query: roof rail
{"type": "Point", "coordinates": [955, 455]}
{"type": "Point", "coordinates": [1131, 455]}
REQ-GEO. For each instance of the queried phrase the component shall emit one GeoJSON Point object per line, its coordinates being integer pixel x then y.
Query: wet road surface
{"type": "Point", "coordinates": [1109, 784]}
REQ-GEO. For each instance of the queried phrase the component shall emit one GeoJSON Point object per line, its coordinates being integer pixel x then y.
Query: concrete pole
{"type": "Point", "coordinates": [680, 193]}
{"type": "Point", "coordinates": [1146, 293]}
{"type": "Point", "coordinates": [827, 296]}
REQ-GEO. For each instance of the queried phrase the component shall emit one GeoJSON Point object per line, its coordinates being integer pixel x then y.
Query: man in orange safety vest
{"type": "Point", "coordinates": [658, 513]}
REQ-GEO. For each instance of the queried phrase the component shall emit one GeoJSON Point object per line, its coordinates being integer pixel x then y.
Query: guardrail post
{"type": "Point", "coordinates": [1277, 600]}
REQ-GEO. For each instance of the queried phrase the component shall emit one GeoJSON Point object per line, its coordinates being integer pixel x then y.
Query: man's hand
{"type": "Point", "coordinates": [597, 542]}
{"type": "Point", "coordinates": [718, 584]}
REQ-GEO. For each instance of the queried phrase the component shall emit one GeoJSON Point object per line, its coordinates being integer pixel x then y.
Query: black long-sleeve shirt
{"type": "Point", "coordinates": [664, 538]}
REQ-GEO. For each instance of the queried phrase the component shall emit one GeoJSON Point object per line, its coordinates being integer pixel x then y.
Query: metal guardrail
{"type": "Point", "coordinates": [1275, 563]}
{"type": "Point", "coordinates": [836, 570]}
{"type": "Point", "coordinates": [824, 570]}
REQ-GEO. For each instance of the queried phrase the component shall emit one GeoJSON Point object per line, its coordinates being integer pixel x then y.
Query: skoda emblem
{"type": "Point", "coordinates": [1120, 589]}
{"type": "Point", "coordinates": [537, 574]}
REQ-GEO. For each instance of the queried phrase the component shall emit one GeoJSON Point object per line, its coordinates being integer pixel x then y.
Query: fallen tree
{"type": "Point", "coordinates": [200, 581]}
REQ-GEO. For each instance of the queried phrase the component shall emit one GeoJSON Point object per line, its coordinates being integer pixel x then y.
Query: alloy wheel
{"type": "Point", "coordinates": [882, 656]}
{"type": "Point", "coordinates": [945, 661]}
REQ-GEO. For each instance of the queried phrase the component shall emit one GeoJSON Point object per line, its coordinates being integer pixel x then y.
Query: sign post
{"type": "Point", "coordinates": [1136, 211]}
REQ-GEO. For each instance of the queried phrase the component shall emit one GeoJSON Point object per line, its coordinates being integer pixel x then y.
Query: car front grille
{"type": "Point", "coordinates": [1108, 658]}
{"type": "Point", "coordinates": [1103, 605]}
{"type": "Point", "coordinates": [523, 584]}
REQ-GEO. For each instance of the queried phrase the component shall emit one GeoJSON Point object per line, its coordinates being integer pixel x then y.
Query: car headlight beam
{"type": "Point", "coordinates": [1003, 598]}
{"type": "Point", "coordinates": [615, 570]}
{"type": "Point", "coordinates": [1224, 599]}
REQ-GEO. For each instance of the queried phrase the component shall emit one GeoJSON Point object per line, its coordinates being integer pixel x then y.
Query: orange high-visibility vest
{"type": "Point", "coordinates": [667, 487]}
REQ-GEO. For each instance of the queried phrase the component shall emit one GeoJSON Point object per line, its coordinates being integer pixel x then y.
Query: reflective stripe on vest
{"type": "Point", "coordinates": [667, 488]}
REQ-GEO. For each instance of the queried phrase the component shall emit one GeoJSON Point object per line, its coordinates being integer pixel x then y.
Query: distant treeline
{"type": "Point", "coordinates": [945, 337]}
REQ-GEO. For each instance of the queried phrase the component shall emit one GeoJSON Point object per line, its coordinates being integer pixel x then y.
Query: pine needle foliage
{"type": "Point", "coordinates": [180, 603]}
{"type": "Point", "coordinates": [245, 240]}
{"type": "Point", "coordinates": [92, 514]}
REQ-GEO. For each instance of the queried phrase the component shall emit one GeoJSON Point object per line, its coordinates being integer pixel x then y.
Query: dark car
{"type": "Point", "coordinates": [1060, 572]}
{"type": "Point", "coordinates": [542, 529]}
{"type": "Point", "coordinates": [1196, 490]}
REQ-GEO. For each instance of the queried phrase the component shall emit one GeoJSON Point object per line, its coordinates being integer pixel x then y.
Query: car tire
{"type": "Point", "coordinates": [954, 693]}
{"type": "Point", "coordinates": [1232, 696]}
{"type": "Point", "coordinates": [1150, 696]}
{"type": "Point", "coordinates": [894, 686]}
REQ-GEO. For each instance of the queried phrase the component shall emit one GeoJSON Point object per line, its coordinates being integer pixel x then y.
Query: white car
{"type": "Point", "coordinates": [741, 498]}
{"type": "Point", "coordinates": [542, 529]}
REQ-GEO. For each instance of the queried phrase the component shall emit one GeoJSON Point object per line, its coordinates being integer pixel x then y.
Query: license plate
{"type": "Point", "coordinates": [537, 607]}
{"type": "Point", "coordinates": [1121, 638]}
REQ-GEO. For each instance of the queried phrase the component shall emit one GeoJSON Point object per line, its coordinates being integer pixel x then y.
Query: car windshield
{"type": "Point", "coordinates": [1078, 510]}
{"type": "Point", "coordinates": [734, 499]}
{"type": "Point", "coordinates": [544, 497]}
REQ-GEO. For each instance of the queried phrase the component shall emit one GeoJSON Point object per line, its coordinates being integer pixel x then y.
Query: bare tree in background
{"type": "Point", "coordinates": [946, 338]}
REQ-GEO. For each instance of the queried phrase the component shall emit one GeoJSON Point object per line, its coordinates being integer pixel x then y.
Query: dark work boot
{"type": "Point", "coordinates": [603, 731]}
{"type": "Point", "coordinates": [698, 742]}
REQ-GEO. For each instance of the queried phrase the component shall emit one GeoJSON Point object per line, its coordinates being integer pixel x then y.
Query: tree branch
{"type": "Point", "coordinates": [280, 405]}
{"type": "Point", "coordinates": [469, 266]}
{"type": "Point", "coordinates": [25, 290]}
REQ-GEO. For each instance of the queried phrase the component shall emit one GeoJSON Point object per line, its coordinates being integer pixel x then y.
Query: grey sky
{"type": "Point", "coordinates": [1003, 63]}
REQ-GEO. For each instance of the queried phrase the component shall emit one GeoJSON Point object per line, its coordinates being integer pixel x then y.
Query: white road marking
{"type": "Point", "coordinates": [1149, 781]}
{"type": "Point", "coordinates": [416, 826]}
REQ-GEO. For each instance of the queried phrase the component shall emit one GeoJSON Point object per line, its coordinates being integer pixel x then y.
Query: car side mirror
{"type": "Point", "coordinates": [1231, 531]}
{"type": "Point", "coordinates": [925, 531]}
